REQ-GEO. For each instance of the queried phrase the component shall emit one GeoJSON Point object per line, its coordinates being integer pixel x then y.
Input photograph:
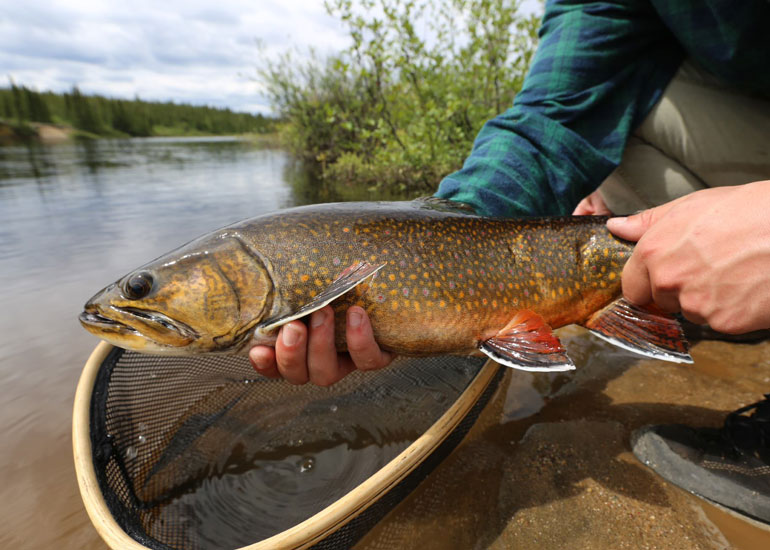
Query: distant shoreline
{"type": "Point", "coordinates": [44, 133]}
{"type": "Point", "coordinates": [52, 134]}
{"type": "Point", "coordinates": [27, 115]}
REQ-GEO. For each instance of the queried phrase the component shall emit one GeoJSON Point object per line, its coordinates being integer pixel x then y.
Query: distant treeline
{"type": "Point", "coordinates": [103, 116]}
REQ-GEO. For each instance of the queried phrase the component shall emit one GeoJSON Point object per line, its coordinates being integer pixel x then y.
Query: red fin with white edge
{"type": "Point", "coordinates": [527, 343]}
{"type": "Point", "coordinates": [646, 330]}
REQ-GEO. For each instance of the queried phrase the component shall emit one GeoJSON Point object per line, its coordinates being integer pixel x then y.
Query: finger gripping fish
{"type": "Point", "coordinates": [433, 279]}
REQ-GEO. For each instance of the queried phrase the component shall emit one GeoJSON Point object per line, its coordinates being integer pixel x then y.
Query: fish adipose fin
{"type": "Point", "coordinates": [347, 280]}
{"type": "Point", "coordinates": [646, 330]}
{"type": "Point", "coordinates": [527, 343]}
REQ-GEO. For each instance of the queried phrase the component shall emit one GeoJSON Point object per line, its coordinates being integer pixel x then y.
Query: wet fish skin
{"type": "Point", "coordinates": [447, 281]}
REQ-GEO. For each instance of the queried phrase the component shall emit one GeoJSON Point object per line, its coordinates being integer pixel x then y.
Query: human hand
{"type": "Point", "coordinates": [706, 254]}
{"type": "Point", "coordinates": [301, 355]}
{"type": "Point", "coordinates": [592, 205]}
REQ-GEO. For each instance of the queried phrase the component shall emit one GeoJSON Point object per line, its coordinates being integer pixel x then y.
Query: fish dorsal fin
{"type": "Point", "coordinates": [350, 278]}
{"type": "Point", "coordinates": [444, 205]}
{"type": "Point", "coordinates": [527, 343]}
{"type": "Point", "coordinates": [646, 330]}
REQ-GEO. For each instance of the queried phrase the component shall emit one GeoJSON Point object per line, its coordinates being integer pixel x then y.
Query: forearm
{"type": "Point", "coordinates": [597, 72]}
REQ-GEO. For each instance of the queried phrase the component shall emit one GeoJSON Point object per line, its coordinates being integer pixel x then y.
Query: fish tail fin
{"type": "Point", "coordinates": [646, 330]}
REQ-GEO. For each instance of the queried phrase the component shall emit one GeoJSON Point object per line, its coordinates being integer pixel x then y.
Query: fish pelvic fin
{"type": "Point", "coordinates": [645, 330]}
{"type": "Point", "coordinates": [351, 277]}
{"type": "Point", "coordinates": [528, 343]}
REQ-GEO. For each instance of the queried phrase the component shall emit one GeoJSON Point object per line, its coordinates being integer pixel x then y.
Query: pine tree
{"type": "Point", "coordinates": [20, 106]}
{"type": "Point", "coordinates": [86, 117]}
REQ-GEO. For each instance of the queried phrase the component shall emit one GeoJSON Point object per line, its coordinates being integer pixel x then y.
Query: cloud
{"type": "Point", "coordinates": [197, 52]}
{"type": "Point", "coordinates": [190, 51]}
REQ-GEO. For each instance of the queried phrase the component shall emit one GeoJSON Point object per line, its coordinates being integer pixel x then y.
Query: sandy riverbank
{"type": "Point", "coordinates": [48, 134]}
{"type": "Point", "coordinates": [565, 478]}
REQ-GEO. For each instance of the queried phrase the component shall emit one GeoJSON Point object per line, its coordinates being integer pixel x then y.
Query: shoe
{"type": "Point", "coordinates": [728, 466]}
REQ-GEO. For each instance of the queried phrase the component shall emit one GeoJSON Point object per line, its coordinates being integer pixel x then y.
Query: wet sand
{"type": "Point", "coordinates": [565, 477]}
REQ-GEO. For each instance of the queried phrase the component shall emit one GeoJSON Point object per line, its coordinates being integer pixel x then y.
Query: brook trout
{"type": "Point", "coordinates": [434, 279]}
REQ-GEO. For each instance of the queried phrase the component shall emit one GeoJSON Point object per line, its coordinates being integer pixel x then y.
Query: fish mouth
{"type": "Point", "coordinates": [93, 318]}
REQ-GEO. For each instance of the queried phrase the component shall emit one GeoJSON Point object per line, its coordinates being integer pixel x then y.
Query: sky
{"type": "Point", "coordinates": [188, 51]}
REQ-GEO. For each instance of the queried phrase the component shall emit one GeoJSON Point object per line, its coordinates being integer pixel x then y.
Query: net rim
{"type": "Point", "coordinates": [302, 535]}
{"type": "Point", "coordinates": [90, 493]}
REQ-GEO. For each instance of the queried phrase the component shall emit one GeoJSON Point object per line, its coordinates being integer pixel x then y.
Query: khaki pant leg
{"type": "Point", "coordinates": [700, 134]}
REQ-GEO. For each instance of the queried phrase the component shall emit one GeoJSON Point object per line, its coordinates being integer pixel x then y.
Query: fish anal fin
{"type": "Point", "coordinates": [348, 279]}
{"type": "Point", "coordinates": [528, 343]}
{"type": "Point", "coordinates": [646, 330]}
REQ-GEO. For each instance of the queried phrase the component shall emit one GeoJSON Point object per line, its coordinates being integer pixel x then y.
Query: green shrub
{"type": "Point", "coordinates": [401, 107]}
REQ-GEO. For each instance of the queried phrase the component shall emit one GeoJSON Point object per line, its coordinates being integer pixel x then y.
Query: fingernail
{"type": "Point", "coordinates": [290, 335]}
{"type": "Point", "coordinates": [355, 318]}
{"type": "Point", "coordinates": [318, 318]}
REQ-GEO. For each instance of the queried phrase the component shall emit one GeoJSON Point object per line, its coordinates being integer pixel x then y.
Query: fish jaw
{"type": "Point", "coordinates": [133, 328]}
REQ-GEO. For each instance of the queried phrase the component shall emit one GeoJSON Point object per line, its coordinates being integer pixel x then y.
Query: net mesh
{"type": "Point", "coordinates": [198, 452]}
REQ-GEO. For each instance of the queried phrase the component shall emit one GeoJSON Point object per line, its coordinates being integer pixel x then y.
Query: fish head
{"type": "Point", "coordinates": [203, 297]}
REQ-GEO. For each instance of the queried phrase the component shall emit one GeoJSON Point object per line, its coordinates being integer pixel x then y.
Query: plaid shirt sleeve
{"type": "Point", "coordinates": [599, 69]}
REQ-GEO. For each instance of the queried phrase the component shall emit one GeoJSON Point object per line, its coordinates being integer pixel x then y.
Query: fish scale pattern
{"type": "Point", "coordinates": [449, 278]}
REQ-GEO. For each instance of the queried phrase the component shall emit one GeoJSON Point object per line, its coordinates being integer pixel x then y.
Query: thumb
{"type": "Point", "coordinates": [631, 228]}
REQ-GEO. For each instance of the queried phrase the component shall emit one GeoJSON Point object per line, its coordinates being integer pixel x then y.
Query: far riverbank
{"type": "Point", "coordinates": [47, 134]}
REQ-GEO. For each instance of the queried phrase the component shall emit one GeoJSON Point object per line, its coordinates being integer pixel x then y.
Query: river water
{"type": "Point", "coordinates": [74, 217]}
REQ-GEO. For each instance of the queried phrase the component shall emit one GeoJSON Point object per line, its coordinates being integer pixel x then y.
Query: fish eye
{"type": "Point", "coordinates": [138, 286]}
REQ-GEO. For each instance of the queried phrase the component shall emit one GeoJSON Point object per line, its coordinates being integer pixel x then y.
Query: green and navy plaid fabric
{"type": "Point", "coordinates": [599, 69]}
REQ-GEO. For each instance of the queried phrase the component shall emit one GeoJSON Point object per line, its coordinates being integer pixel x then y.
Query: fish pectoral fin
{"type": "Point", "coordinates": [350, 277]}
{"type": "Point", "coordinates": [528, 343]}
{"type": "Point", "coordinates": [646, 330]}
